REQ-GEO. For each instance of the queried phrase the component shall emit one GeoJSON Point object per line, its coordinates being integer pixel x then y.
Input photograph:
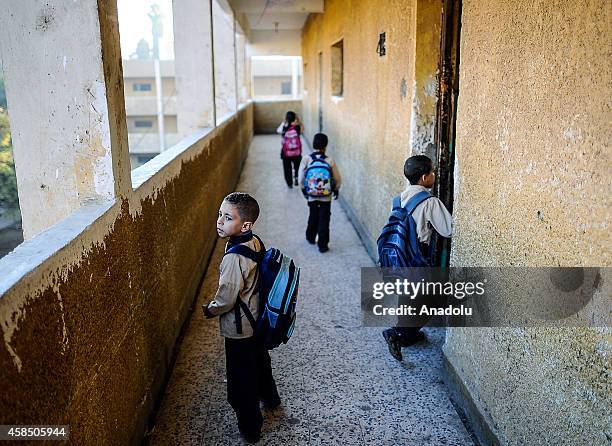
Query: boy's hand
{"type": "Point", "coordinates": [207, 312]}
{"type": "Point", "coordinates": [304, 193]}
{"type": "Point", "coordinates": [336, 192]}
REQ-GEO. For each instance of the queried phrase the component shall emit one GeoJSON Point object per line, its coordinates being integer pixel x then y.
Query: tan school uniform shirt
{"type": "Point", "coordinates": [430, 214]}
{"type": "Point", "coordinates": [237, 279]}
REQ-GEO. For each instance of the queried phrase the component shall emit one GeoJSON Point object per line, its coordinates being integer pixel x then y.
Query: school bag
{"type": "Point", "coordinates": [292, 144]}
{"type": "Point", "coordinates": [318, 178]}
{"type": "Point", "coordinates": [278, 285]}
{"type": "Point", "coordinates": [398, 243]}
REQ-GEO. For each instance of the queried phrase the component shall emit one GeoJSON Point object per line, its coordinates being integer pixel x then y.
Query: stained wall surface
{"type": "Point", "coordinates": [533, 188]}
{"type": "Point", "coordinates": [369, 125]}
{"type": "Point", "coordinates": [88, 335]}
{"type": "Point", "coordinates": [269, 114]}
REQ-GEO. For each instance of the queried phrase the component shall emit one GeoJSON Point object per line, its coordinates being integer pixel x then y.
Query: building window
{"type": "Point", "coordinates": [141, 87]}
{"type": "Point", "coordinates": [337, 66]}
{"type": "Point", "coordinates": [286, 87]}
{"type": "Point", "coordinates": [143, 124]}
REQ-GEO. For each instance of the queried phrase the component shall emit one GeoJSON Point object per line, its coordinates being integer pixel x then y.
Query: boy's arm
{"type": "Point", "coordinates": [302, 169]}
{"type": "Point", "coordinates": [336, 174]}
{"type": "Point", "coordinates": [439, 217]}
{"type": "Point", "coordinates": [230, 284]}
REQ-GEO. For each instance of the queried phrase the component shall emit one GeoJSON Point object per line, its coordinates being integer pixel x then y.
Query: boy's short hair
{"type": "Point", "coordinates": [247, 206]}
{"type": "Point", "coordinates": [319, 142]}
{"type": "Point", "coordinates": [417, 166]}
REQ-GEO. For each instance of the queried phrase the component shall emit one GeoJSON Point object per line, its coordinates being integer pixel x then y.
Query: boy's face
{"type": "Point", "coordinates": [229, 223]}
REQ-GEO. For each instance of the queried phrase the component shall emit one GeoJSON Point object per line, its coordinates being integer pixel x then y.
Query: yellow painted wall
{"type": "Point", "coordinates": [369, 126]}
{"type": "Point", "coordinates": [535, 189]}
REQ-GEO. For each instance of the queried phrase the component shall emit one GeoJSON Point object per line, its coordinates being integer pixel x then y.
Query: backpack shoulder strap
{"type": "Point", "coordinates": [416, 200]}
{"type": "Point", "coordinates": [262, 249]}
{"type": "Point", "coordinates": [243, 251]}
{"type": "Point", "coordinates": [396, 203]}
{"type": "Point", "coordinates": [247, 312]}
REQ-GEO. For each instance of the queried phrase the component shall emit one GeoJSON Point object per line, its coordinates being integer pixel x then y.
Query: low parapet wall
{"type": "Point", "coordinates": [90, 309]}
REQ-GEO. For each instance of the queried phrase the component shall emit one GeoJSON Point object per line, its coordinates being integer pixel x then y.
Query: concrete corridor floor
{"type": "Point", "coordinates": [338, 383]}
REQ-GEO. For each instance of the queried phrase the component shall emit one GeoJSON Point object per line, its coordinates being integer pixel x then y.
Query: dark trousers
{"type": "Point", "coordinates": [318, 222]}
{"type": "Point", "coordinates": [290, 162]}
{"type": "Point", "coordinates": [249, 379]}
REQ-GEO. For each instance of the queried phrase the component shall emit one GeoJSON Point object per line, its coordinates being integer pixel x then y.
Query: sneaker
{"type": "Point", "coordinates": [393, 344]}
{"type": "Point", "coordinates": [406, 341]}
{"type": "Point", "coordinates": [312, 242]}
{"type": "Point", "coordinates": [323, 249]}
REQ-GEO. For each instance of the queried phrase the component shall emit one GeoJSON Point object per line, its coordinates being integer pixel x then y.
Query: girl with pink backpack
{"type": "Point", "coordinates": [291, 151]}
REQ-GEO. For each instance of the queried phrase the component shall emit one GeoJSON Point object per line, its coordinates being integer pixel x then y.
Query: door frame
{"type": "Point", "coordinates": [446, 116]}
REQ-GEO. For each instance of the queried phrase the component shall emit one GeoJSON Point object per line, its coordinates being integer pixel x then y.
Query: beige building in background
{"type": "Point", "coordinates": [278, 77]}
{"type": "Point", "coordinates": [141, 108]}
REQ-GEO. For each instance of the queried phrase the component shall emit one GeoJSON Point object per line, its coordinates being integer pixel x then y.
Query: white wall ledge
{"type": "Point", "coordinates": [34, 252]}
{"type": "Point", "coordinates": [142, 174]}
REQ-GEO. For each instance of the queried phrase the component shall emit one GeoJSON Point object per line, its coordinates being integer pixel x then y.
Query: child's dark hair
{"type": "Point", "coordinates": [417, 166]}
{"type": "Point", "coordinates": [247, 206]}
{"type": "Point", "coordinates": [290, 117]}
{"type": "Point", "coordinates": [319, 142]}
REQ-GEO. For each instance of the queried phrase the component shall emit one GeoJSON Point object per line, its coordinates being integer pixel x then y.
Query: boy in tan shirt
{"type": "Point", "coordinates": [248, 364]}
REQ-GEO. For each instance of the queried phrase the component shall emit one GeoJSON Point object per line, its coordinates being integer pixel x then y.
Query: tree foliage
{"type": "Point", "coordinates": [8, 180]}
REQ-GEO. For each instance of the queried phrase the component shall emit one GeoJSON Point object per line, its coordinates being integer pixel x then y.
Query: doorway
{"type": "Point", "coordinates": [446, 115]}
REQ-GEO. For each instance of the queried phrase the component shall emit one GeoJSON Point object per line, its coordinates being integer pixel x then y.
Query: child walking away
{"type": "Point", "coordinates": [320, 180]}
{"type": "Point", "coordinates": [405, 239]}
{"type": "Point", "coordinates": [256, 303]}
{"type": "Point", "coordinates": [291, 151]}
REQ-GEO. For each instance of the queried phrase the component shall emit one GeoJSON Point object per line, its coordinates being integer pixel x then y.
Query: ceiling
{"type": "Point", "coordinates": [276, 14]}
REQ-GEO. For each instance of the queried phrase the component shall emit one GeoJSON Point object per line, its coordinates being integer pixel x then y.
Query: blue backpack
{"type": "Point", "coordinates": [318, 178]}
{"type": "Point", "coordinates": [278, 284]}
{"type": "Point", "coordinates": [398, 243]}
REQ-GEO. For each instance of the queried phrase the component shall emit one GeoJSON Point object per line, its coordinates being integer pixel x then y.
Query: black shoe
{"type": "Point", "coordinates": [407, 341]}
{"type": "Point", "coordinates": [323, 249]}
{"type": "Point", "coordinates": [295, 183]}
{"type": "Point", "coordinates": [312, 242]}
{"type": "Point", "coordinates": [393, 344]}
{"type": "Point", "coordinates": [250, 438]}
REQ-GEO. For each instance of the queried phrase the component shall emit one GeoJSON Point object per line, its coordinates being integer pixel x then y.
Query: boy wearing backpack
{"type": "Point", "coordinates": [320, 180]}
{"type": "Point", "coordinates": [248, 364]}
{"type": "Point", "coordinates": [291, 150]}
{"type": "Point", "coordinates": [416, 213]}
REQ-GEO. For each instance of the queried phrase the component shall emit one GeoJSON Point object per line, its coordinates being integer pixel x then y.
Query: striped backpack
{"type": "Point", "coordinates": [278, 290]}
